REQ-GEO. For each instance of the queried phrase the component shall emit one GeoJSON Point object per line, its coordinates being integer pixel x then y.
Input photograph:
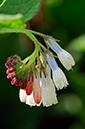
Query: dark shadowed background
{"type": "Point", "coordinates": [64, 20]}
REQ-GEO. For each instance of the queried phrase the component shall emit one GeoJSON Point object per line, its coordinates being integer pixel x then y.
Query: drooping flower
{"type": "Point", "coordinates": [37, 90]}
{"type": "Point", "coordinates": [65, 58]}
{"type": "Point", "coordinates": [58, 75]}
{"type": "Point", "coordinates": [59, 79]}
{"type": "Point", "coordinates": [48, 91]}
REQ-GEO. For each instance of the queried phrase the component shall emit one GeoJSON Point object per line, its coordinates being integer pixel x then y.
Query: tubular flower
{"type": "Point", "coordinates": [65, 58]}
{"type": "Point", "coordinates": [33, 74]}
{"type": "Point", "coordinates": [37, 90]}
{"type": "Point", "coordinates": [48, 91]}
{"type": "Point", "coordinates": [59, 78]}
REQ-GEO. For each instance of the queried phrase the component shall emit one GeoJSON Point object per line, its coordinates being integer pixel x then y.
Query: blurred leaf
{"type": "Point", "coordinates": [69, 103]}
{"type": "Point", "coordinates": [70, 14]}
{"type": "Point", "coordinates": [53, 2]}
{"type": "Point", "coordinates": [77, 126]}
{"type": "Point", "coordinates": [76, 54]}
{"type": "Point", "coordinates": [78, 44]}
{"type": "Point", "coordinates": [77, 82]}
{"type": "Point", "coordinates": [26, 7]}
{"type": "Point", "coordinates": [2, 2]}
{"type": "Point", "coordinates": [72, 103]}
{"type": "Point", "coordinates": [78, 78]}
{"type": "Point", "coordinates": [11, 21]}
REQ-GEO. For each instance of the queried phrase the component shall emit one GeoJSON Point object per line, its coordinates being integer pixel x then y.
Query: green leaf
{"type": "Point", "coordinates": [78, 44]}
{"type": "Point", "coordinates": [11, 21]}
{"type": "Point", "coordinates": [26, 7]}
{"type": "Point", "coordinates": [2, 2]}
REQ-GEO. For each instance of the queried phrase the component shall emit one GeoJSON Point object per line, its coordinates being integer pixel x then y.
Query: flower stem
{"type": "Point", "coordinates": [33, 38]}
{"type": "Point", "coordinates": [37, 33]}
{"type": "Point", "coordinates": [29, 57]}
{"type": "Point", "coordinates": [27, 32]}
{"type": "Point", "coordinates": [32, 59]}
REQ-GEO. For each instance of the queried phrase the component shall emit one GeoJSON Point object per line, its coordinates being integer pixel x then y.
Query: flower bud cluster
{"type": "Point", "coordinates": [12, 64]}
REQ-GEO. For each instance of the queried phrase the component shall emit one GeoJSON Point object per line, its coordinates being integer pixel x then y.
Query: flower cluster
{"type": "Point", "coordinates": [33, 75]}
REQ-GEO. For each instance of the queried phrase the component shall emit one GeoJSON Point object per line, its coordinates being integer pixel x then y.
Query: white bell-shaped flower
{"type": "Point", "coordinates": [58, 75]}
{"type": "Point", "coordinates": [59, 79]}
{"type": "Point", "coordinates": [65, 58]}
{"type": "Point", "coordinates": [30, 100]}
{"type": "Point", "coordinates": [22, 95]}
{"type": "Point", "coordinates": [37, 90]}
{"type": "Point", "coordinates": [48, 91]}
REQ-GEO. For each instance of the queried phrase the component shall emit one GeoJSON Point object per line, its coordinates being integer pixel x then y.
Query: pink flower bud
{"type": "Point", "coordinates": [14, 80]}
{"type": "Point", "coordinates": [10, 70]}
{"type": "Point", "coordinates": [37, 90]}
{"type": "Point", "coordinates": [7, 71]}
{"type": "Point", "coordinates": [29, 87]}
{"type": "Point", "coordinates": [14, 62]}
{"type": "Point", "coordinates": [23, 85]}
{"type": "Point", "coordinates": [15, 56]}
{"type": "Point", "coordinates": [11, 75]}
{"type": "Point", "coordinates": [6, 64]}
{"type": "Point", "coordinates": [9, 59]}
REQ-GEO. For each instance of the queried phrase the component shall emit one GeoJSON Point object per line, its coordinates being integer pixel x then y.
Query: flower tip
{"type": "Point", "coordinates": [66, 59]}
{"type": "Point", "coordinates": [59, 78]}
{"type": "Point", "coordinates": [22, 95]}
{"type": "Point", "coordinates": [62, 87]}
{"type": "Point", "coordinates": [30, 100]}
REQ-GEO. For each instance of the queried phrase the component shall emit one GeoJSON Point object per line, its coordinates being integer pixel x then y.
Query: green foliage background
{"type": "Point", "coordinates": [64, 20]}
{"type": "Point", "coordinates": [26, 7]}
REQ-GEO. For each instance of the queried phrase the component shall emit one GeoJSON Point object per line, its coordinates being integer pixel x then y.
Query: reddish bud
{"type": "Point", "coordinates": [23, 85]}
{"type": "Point", "coordinates": [9, 59]}
{"type": "Point", "coordinates": [11, 75]}
{"type": "Point", "coordinates": [10, 70]}
{"type": "Point", "coordinates": [18, 60]}
{"type": "Point", "coordinates": [29, 87]}
{"type": "Point", "coordinates": [14, 62]}
{"type": "Point", "coordinates": [37, 90]}
{"type": "Point", "coordinates": [11, 56]}
{"type": "Point", "coordinates": [7, 71]}
{"type": "Point", "coordinates": [15, 56]}
{"type": "Point", "coordinates": [37, 95]}
{"type": "Point", "coordinates": [14, 80]}
{"type": "Point", "coordinates": [6, 64]}
{"type": "Point", "coordinates": [17, 83]}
